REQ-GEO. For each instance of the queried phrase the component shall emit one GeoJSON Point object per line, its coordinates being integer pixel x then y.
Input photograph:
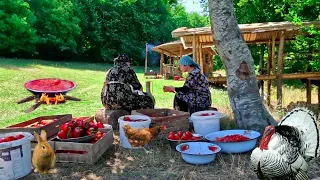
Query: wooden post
{"type": "Point", "coordinates": [148, 87]}
{"type": "Point", "coordinates": [268, 72]}
{"type": "Point", "coordinates": [146, 59]}
{"type": "Point", "coordinates": [201, 58]}
{"type": "Point", "coordinates": [261, 71]}
{"type": "Point", "coordinates": [280, 69]}
{"type": "Point", "coordinates": [181, 51]}
{"type": "Point", "coordinates": [194, 47]}
{"type": "Point", "coordinates": [273, 66]}
{"type": "Point", "coordinates": [308, 91]}
{"type": "Point", "coordinates": [161, 63]}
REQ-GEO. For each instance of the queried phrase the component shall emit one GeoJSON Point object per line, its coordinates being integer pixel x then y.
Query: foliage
{"type": "Point", "coordinates": [89, 30]}
{"type": "Point", "coordinates": [57, 26]}
{"type": "Point", "coordinates": [17, 32]}
{"type": "Point", "coordinates": [297, 11]}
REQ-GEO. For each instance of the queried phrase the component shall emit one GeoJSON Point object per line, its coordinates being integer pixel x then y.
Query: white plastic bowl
{"type": "Point", "coordinates": [235, 147]}
{"type": "Point", "coordinates": [198, 152]}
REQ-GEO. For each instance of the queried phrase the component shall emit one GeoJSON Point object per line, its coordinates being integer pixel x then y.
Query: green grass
{"type": "Point", "coordinates": [89, 78]}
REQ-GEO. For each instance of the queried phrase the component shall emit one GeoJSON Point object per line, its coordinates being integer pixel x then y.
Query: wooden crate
{"type": "Point", "coordinates": [94, 151]}
{"type": "Point", "coordinates": [51, 129]}
{"type": "Point", "coordinates": [174, 120]}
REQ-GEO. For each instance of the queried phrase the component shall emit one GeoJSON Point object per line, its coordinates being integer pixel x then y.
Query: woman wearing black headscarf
{"type": "Point", "coordinates": [122, 89]}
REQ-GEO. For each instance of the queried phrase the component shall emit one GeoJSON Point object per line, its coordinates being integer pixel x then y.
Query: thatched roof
{"type": "Point", "coordinates": [174, 48]}
{"type": "Point", "coordinates": [252, 33]}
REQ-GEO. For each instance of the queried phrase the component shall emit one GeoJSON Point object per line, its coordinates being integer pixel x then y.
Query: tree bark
{"type": "Point", "coordinates": [246, 103]}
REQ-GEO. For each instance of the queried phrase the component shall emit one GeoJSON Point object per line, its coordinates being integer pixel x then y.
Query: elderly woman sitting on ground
{"type": "Point", "coordinates": [122, 89]}
{"type": "Point", "coordinates": [195, 94]}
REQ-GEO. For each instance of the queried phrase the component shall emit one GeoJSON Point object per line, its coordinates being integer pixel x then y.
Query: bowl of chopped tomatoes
{"type": "Point", "coordinates": [234, 141]}
{"type": "Point", "coordinates": [198, 153]}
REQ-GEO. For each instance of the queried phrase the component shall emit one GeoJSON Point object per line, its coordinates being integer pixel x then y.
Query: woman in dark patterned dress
{"type": "Point", "coordinates": [122, 89]}
{"type": "Point", "coordinates": [195, 94]}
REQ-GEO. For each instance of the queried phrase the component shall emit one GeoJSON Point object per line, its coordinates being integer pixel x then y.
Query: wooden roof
{"type": "Point", "coordinates": [173, 49]}
{"type": "Point", "coordinates": [256, 33]}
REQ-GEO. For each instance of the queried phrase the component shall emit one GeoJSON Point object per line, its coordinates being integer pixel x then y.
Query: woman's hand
{"type": "Point", "coordinates": [168, 89]}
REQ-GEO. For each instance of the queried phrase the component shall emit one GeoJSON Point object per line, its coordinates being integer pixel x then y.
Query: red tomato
{"type": "Point", "coordinates": [213, 148]}
{"type": "Point", "coordinates": [62, 134]}
{"type": "Point", "coordinates": [19, 136]}
{"type": "Point", "coordinates": [184, 137]}
{"type": "Point", "coordinates": [100, 124]}
{"type": "Point", "coordinates": [188, 134]}
{"type": "Point", "coordinates": [10, 138]}
{"type": "Point", "coordinates": [126, 118]}
{"type": "Point", "coordinates": [180, 133]}
{"type": "Point", "coordinates": [184, 147]}
{"type": "Point", "coordinates": [2, 140]}
{"type": "Point", "coordinates": [171, 136]}
{"type": "Point", "coordinates": [65, 127]}
{"type": "Point", "coordinates": [176, 137]}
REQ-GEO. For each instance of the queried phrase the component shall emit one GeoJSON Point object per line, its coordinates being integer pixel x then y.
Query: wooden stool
{"type": "Point", "coordinates": [111, 117]}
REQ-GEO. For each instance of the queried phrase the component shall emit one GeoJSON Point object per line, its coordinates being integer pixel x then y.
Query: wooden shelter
{"type": "Point", "coordinates": [270, 33]}
{"type": "Point", "coordinates": [175, 49]}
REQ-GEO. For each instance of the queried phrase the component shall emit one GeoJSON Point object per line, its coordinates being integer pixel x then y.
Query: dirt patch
{"type": "Point", "coordinates": [161, 163]}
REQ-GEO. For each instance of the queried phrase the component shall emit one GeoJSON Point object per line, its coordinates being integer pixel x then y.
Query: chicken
{"type": "Point", "coordinates": [286, 149]}
{"type": "Point", "coordinates": [141, 137]}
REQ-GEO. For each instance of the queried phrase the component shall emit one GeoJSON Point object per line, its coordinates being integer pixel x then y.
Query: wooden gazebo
{"type": "Point", "coordinates": [270, 33]}
{"type": "Point", "coordinates": [176, 49]}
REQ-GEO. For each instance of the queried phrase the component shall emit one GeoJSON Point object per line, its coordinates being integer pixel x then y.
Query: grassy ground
{"type": "Point", "coordinates": [117, 163]}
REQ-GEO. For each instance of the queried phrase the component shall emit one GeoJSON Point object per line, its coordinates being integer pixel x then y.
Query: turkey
{"type": "Point", "coordinates": [286, 149]}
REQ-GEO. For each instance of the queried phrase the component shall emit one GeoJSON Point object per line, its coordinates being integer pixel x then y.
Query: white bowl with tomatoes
{"type": "Point", "coordinates": [234, 141]}
{"type": "Point", "coordinates": [179, 137]}
{"type": "Point", "coordinates": [198, 153]}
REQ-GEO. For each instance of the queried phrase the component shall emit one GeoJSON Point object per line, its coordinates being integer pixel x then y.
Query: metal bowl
{"type": "Point", "coordinates": [198, 153]}
{"type": "Point", "coordinates": [174, 143]}
{"type": "Point", "coordinates": [83, 139]}
{"type": "Point", "coordinates": [235, 147]}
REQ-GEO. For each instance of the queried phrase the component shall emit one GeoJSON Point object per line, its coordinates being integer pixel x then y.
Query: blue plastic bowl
{"type": "Point", "coordinates": [235, 147]}
{"type": "Point", "coordinates": [198, 152]}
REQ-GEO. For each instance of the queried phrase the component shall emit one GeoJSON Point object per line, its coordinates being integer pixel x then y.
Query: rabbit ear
{"type": "Point", "coordinates": [43, 135]}
{"type": "Point", "coordinates": [37, 136]}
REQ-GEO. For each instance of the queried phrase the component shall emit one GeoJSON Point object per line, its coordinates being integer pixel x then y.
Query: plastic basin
{"type": "Point", "coordinates": [135, 125]}
{"type": "Point", "coordinates": [235, 147]}
{"type": "Point", "coordinates": [198, 152]}
{"type": "Point", "coordinates": [206, 124]}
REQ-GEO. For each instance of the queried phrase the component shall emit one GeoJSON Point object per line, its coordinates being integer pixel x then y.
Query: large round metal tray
{"type": "Point", "coordinates": [48, 85]}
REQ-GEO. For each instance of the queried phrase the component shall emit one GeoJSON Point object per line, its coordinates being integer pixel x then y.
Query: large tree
{"type": "Point", "coordinates": [246, 103]}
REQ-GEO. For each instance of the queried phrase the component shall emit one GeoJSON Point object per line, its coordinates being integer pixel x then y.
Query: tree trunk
{"type": "Point", "coordinates": [246, 103]}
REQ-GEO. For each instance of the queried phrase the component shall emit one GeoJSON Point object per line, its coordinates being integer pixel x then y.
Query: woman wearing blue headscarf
{"type": "Point", "coordinates": [195, 94]}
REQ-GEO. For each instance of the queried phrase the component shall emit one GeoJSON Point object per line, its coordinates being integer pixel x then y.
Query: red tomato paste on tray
{"type": "Point", "coordinates": [50, 84]}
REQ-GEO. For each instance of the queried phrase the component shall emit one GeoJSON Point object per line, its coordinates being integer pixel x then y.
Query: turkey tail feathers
{"type": "Point", "coordinates": [306, 122]}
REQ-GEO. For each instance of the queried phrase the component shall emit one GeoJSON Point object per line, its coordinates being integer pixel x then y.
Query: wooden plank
{"type": "Point", "coordinates": [273, 66]}
{"type": "Point", "coordinates": [273, 77]}
{"type": "Point", "coordinates": [201, 58]}
{"type": "Point", "coordinates": [261, 70]}
{"type": "Point", "coordinates": [148, 86]}
{"type": "Point", "coordinates": [268, 73]}
{"type": "Point", "coordinates": [280, 70]}
{"type": "Point", "coordinates": [161, 63]}
{"type": "Point", "coordinates": [308, 91]}
{"type": "Point", "coordinates": [194, 47]}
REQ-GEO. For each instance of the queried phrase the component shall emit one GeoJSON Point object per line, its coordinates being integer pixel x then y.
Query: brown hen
{"type": "Point", "coordinates": [143, 136]}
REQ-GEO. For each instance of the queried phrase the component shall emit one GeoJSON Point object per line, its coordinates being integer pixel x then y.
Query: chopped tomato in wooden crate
{"type": "Point", "coordinates": [83, 152]}
{"type": "Point", "coordinates": [50, 124]}
{"type": "Point", "coordinates": [173, 120]}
